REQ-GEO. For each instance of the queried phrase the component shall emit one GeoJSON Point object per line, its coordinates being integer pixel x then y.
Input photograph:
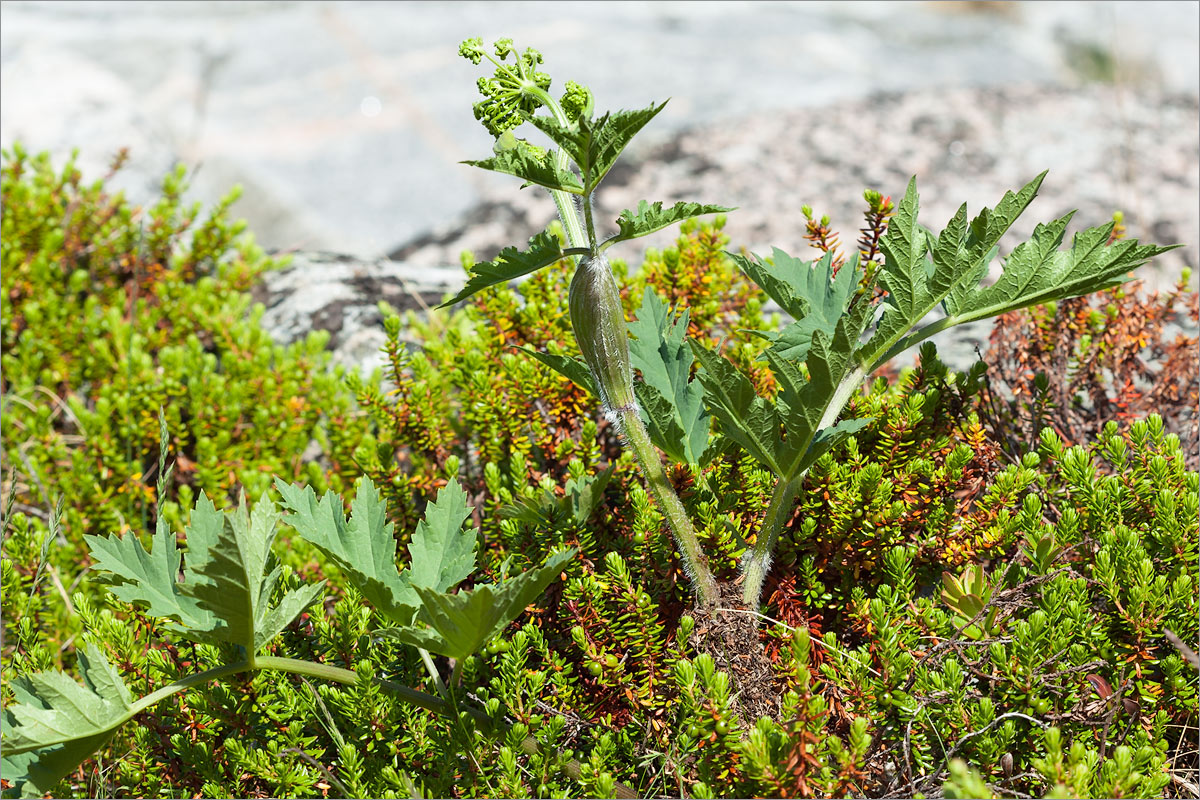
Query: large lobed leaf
{"type": "Point", "coordinates": [922, 271]}
{"type": "Point", "coordinates": [544, 250]}
{"type": "Point", "coordinates": [55, 723]}
{"type": "Point", "coordinates": [362, 547]}
{"type": "Point", "coordinates": [441, 553]}
{"type": "Point", "coordinates": [751, 421]}
{"type": "Point", "coordinates": [229, 576]}
{"type": "Point", "coordinates": [462, 623]}
{"type": "Point", "coordinates": [147, 578]}
{"type": "Point", "coordinates": [236, 579]}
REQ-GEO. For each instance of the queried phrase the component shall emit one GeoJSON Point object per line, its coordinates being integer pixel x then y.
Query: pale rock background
{"type": "Point", "coordinates": [344, 122]}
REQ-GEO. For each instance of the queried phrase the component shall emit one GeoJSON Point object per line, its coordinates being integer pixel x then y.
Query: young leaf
{"type": "Point", "coordinates": [573, 369]}
{"type": "Point", "coordinates": [659, 351]}
{"type": "Point", "coordinates": [441, 553]}
{"type": "Point", "coordinates": [650, 218]}
{"type": "Point", "coordinates": [544, 249]}
{"type": "Point", "coordinates": [595, 145]}
{"type": "Point", "coordinates": [363, 548]}
{"type": "Point", "coordinates": [460, 624]}
{"type": "Point", "coordinates": [579, 501]}
{"type": "Point", "coordinates": [56, 723]}
{"type": "Point", "coordinates": [533, 165]}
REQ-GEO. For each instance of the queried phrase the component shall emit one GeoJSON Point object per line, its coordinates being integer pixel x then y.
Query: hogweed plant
{"type": "Point", "coordinates": [588, 148]}
{"type": "Point", "coordinates": [848, 319]}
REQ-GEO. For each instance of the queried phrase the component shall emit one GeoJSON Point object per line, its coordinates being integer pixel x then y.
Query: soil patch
{"type": "Point", "coordinates": [736, 647]}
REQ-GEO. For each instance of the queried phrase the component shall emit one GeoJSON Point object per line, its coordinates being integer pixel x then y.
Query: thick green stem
{"type": "Point", "coordinates": [694, 562]}
{"type": "Point", "coordinates": [757, 562]}
{"type": "Point", "coordinates": [350, 677]}
{"type": "Point", "coordinates": [565, 201]}
{"type": "Point", "coordinates": [187, 683]}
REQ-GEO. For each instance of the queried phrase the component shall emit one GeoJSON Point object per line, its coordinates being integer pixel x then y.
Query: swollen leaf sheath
{"type": "Point", "coordinates": [599, 324]}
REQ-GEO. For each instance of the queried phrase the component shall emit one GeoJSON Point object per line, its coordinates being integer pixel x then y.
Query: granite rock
{"type": "Point", "coordinates": [1106, 151]}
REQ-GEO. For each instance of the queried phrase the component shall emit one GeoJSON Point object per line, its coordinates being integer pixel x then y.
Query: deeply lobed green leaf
{"type": "Point", "coordinates": [544, 249]}
{"type": "Point", "coordinates": [533, 165]}
{"type": "Point", "coordinates": [674, 404]}
{"type": "Point", "coordinates": [653, 217]}
{"type": "Point", "coordinates": [229, 576]}
{"type": "Point", "coordinates": [595, 144]}
{"type": "Point", "coordinates": [460, 624]}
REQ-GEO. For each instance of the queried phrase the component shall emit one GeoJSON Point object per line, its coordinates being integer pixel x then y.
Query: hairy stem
{"type": "Point", "coordinates": [631, 427]}
{"type": "Point", "coordinates": [565, 201]}
{"type": "Point", "coordinates": [694, 562]}
{"type": "Point", "coordinates": [757, 562]}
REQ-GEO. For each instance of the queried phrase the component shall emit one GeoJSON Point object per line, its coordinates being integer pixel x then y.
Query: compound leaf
{"type": "Point", "coordinates": [650, 218]}
{"type": "Point", "coordinates": [748, 419]}
{"type": "Point", "coordinates": [916, 283]}
{"type": "Point", "coordinates": [1035, 272]}
{"type": "Point", "coordinates": [808, 290]}
{"type": "Point", "coordinates": [544, 249]}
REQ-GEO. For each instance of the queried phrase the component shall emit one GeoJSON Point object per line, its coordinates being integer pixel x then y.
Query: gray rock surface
{"type": "Point", "coordinates": [1107, 152]}
{"type": "Point", "coordinates": [341, 294]}
{"type": "Point", "coordinates": [344, 121]}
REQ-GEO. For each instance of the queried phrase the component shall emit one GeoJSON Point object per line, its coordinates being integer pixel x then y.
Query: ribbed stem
{"type": "Point", "coordinates": [757, 562]}
{"type": "Point", "coordinates": [694, 562]}
{"type": "Point", "coordinates": [187, 682]}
